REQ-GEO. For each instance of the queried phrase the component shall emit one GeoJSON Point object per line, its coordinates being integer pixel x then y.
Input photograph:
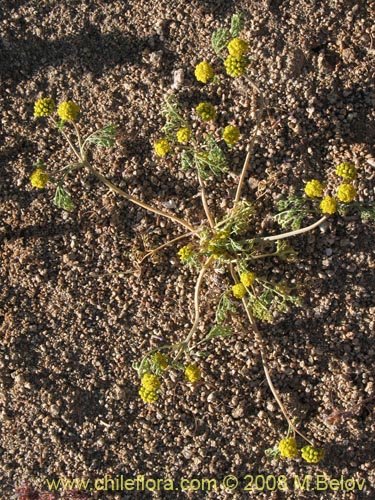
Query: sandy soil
{"type": "Point", "coordinates": [75, 312]}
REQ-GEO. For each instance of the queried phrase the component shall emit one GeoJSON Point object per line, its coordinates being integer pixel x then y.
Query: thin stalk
{"type": "Point", "coordinates": [79, 141]}
{"type": "Point", "coordinates": [194, 327]}
{"type": "Point", "coordinates": [204, 201]}
{"type": "Point", "coordinates": [151, 252]}
{"type": "Point", "coordinates": [268, 377]}
{"type": "Point", "coordinates": [73, 148]}
{"type": "Point", "coordinates": [128, 197]}
{"type": "Point", "coordinates": [251, 145]}
{"type": "Point", "coordinates": [296, 231]}
{"type": "Point", "coordinates": [262, 348]}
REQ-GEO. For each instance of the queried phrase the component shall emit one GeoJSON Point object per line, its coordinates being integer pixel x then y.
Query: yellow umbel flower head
{"type": "Point", "coordinates": [185, 253]}
{"type": "Point", "coordinates": [288, 448]}
{"type": "Point", "coordinates": [347, 171]}
{"type": "Point", "coordinates": [312, 455]}
{"type": "Point", "coordinates": [68, 111]}
{"type": "Point", "coordinates": [206, 111]}
{"type": "Point", "coordinates": [237, 47]}
{"type": "Point", "coordinates": [44, 107]}
{"type": "Point", "coordinates": [183, 135]}
{"type": "Point", "coordinates": [328, 205]}
{"type": "Point", "coordinates": [346, 193]}
{"type": "Point", "coordinates": [247, 278]}
{"type": "Point", "coordinates": [204, 72]}
{"type": "Point", "coordinates": [239, 291]}
{"type": "Point", "coordinates": [231, 134]}
{"type": "Point", "coordinates": [162, 147]}
{"type": "Point", "coordinates": [160, 360]}
{"type": "Point", "coordinates": [235, 66]}
{"type": "Point", "coordinates": [39, 178]}
{"type": "Point", "coordinates": [150, 382]}
{"type": "Point", "coordinates": [314, 189]}
{"type": "Point", "coordinates": [193, 373]}
{"type": "Point", "coordinates": [148, 396]}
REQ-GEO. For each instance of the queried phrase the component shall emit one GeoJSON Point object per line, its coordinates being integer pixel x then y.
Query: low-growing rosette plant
{"type": "Point", "coordinates": [198, 140]}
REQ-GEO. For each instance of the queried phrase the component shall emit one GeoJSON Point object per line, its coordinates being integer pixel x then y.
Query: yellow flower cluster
{"type": "Point", "coordinates": [328, 205]}
{"type": "Point", "coordinates": [288, 448]}
{"type": "Point", "coordinates": [204, 72]}
{"type": "Point", "coordinates": [347, 171]}
{"type": "Point", "coordinates": [162, 147]}
{"type": "Point", "coordinates": [185, 253]}
{"type": "Point", "coordinates": [235, 66]}
{"type": "Point", "coordinates": [183, 135]}
{"type": "Point", "coordinates": [346, 193]}
{"type": "Point", "coordinates": [193, 373]}
{"type": "Point", "coordinates": [39, 178]}
{"type": "Point", "coordinates": [311, 454]}
{"type": "Point", "coordinates": [148, 396]}
{"type": "Point", "coordinates": [68, 111]}
{"type": "Point", "coordinates": [231, 134]}
{"type": "Point", "coordinates": [160, 360]}
{"type": "Point", "coordinates": [237, 47]}
{"type": "Point", "coordinates": [44, 107]}
{"type": "Point", "coordinates": [239, 291]}
{"type": "Point", "coordinates": [150, 382]}
{"type": "Point", "coordinates": [314, 189]}
{"type": "Point", "coordinates": [247, 278]}
{"type": "Point", "coordinates": [150, 386]}
{"type": "Point", "coordinates": [206, 111]}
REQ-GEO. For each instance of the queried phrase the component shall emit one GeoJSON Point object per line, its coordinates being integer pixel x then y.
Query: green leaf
{"type": "Point", "coordinates": [186, 161]}
{"type": "Point", "coordinates": [219, 40]}
{"type": "Point", "coordinates": [104, 138]}
{"type": "Point", "coordinates": [62, 199]}
{"type": "Point", "coordinates": [219, 331]}
{"type": "Point", "coordinates": [292, 212]}
{"type": "Point", "coordinates": [225, 305]}
{"type": "Point", "coordinates": [216, 159]}
{"type": "Point", "coordinates": [172, 114]}
{"type": "Point", "coordinates": [237, 24]}
{"type": "Point", "coordinates": [367, 213]}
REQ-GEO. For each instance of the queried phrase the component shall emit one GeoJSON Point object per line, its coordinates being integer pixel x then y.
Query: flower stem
{"type": "Point", "coordinates": [296, 231]}
{"type": "Point", "coordinates": [251, 145]}
{"type": "Point", "coordinates": [204, 201]}
{"type": "Point", "coordinates": [185, 343]}
{"type": "Point", "coordinates": [267, 373]}
{"type": "Point", "coordinates": [128, 197]}
{"type": "Point", "coordinates": [72, 147]}
{"type": "Point", "coordinates": [262, 349]}
{"type": "Point", "coordinates": [151, 252]}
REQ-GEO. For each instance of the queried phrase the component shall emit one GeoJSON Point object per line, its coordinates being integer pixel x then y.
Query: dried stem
{"type": "Point", "coordinates": [198, 284]}
{"type": "Point", "coordinates": [251, 145]}
{"type": "Point", "coordinates": [295, 232]}
{"type": "Point", "coordinates": [72, 147]}
{"type": "Point", "coordinates": [261, 344]}
{"type": "Point", "coordinates": [151, 252]}
{"type": "Point", "coordinates": [262, 348]}
{"type": "Point", "coordinates": [204, 201]}
{"type": "Point", "coordinates": [138, 202]}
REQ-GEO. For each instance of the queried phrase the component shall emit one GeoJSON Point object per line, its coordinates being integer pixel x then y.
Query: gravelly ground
{"type": "Point", "coordinates": [74, 312]}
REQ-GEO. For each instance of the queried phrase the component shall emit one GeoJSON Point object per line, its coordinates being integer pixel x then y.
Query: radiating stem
{"type": "Point", "coordinates": [79, 141]}
{"type": "Point", "coordinates": [73, 148]}
{"type": "Point", "coordinates": [128, 197]}
{"type": "Point", "coordinates": [262, 349]}
{"type": "Point", "coordinates": [205, 204]}
{"type": "Point", "coordinates": [198, 284]}
{"type": "Point", "coordinates": [268, 377]}
{"type": "Point", "coordinates": [295, 232]}
{"type": "Point", "coordinates": [151, 252]}
{"type": "Point", "coordinates": [251, 145]}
